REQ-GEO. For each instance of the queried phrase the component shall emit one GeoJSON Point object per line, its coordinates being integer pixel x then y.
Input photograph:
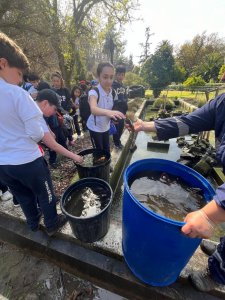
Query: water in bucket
{"type": "Point", "coordinates": [87, 201]}
{"type": "Point", "coordinates": [91, 160]}
{"type": "Point", "coordinates": [165, 194]}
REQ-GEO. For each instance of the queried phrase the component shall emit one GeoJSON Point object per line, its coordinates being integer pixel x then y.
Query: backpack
{"type": "Point", "coordinates": [84, 106]}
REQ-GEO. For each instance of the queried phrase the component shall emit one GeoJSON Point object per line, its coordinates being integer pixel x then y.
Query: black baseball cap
{"type": "Point", "coordinates": [47, 94]}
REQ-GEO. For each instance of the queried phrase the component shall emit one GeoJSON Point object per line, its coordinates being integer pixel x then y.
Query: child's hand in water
{"type": "Point", "coordinates": [78, 159]}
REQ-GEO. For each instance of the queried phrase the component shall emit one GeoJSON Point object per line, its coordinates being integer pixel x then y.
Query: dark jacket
{"type": "Point", "coordinates": [211, 116]}
{"type": "Point", "coordinates": [120, 101]}
{"type": "Point", "coordinates": [65, 102]}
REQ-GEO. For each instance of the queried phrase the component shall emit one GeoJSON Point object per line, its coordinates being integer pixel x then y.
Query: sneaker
{"type": "Point", "coordinates": [6, 196]}
{"type": "Point", "coordinates": [203, 281]}
{"type": "Point", "coordinates": [62, 219]}
{"type": "Point", "coordinates": [119, 147]}
{"type": "Point", "coordinates": [208, 247]}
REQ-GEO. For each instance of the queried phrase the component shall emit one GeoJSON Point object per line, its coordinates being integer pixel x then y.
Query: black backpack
{"type": "Point", "coordinates": [84, 106]}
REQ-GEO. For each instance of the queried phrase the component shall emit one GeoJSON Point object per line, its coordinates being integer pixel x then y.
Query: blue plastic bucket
{"type": "Point", "coordinates": [153, 246]}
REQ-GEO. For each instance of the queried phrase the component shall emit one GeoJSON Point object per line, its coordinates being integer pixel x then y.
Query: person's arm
{"type": "Point", "coordinates": [97, 111]}
{"type": "Point", "coordinates": [201, 223]}
{"type": "Point", "coordinates": [202, 119]}
{"type": "Point", "coordinates": [50, 142]}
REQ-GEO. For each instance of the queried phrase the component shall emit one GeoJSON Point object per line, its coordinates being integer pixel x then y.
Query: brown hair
{"type": "Point", "coordinates": [57, 74]}
{"type": "Point", "coordinates": [12, 53]}
{"type": "Point", "coordinates": [103, 65]}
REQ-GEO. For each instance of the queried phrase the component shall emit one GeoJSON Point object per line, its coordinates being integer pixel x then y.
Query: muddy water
{"type": "Point", "coordinates": [91, 160]}
{"type": "Point", "coordinates": [87, 201]}
{"type": "Point", "coordinates": [166, 195]}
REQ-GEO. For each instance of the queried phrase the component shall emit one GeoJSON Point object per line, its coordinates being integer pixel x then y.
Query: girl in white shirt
{"type": "Point", "coordinates": [101, 108]}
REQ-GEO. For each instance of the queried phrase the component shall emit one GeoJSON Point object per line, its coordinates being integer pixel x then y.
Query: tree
{"type": "Point", "coordinates": [193, 54]}
{"type": "Point", "coordinates": [146, 46]}
{"type": "Point", "coordinates": [133, 79]}
{"type": "Point", "coordinates": [221, 73]}
{"type": "Point", "coordinates": [179, 73]}
{"type": "Point", "coordinates": [59, 34]}
{"type": "Point", "coordinates": [209, 67]}
{"type": "Point", "coordinates": [158, 69]}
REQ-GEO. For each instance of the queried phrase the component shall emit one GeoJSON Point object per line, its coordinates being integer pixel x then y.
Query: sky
{"type": "Point", "coordinates": [175, 20]}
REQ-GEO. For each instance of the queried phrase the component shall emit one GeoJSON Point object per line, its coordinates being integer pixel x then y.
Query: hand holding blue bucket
{"type": "Point", "coordinates": [154, 247]}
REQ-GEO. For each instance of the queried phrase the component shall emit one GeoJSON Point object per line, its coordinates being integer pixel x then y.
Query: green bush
{"type": "Point", "coordinates": [163, 102]}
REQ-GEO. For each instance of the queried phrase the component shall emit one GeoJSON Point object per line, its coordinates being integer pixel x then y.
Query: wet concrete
{"type": "Point", "coordinates": [23, 276]}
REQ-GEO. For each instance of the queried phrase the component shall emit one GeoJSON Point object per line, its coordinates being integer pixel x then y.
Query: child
{"type": "Point", "coordinates": [22, 167]}
{"type": "Point", "coordinates": [101, 109]}
{"type": "Point", "coordinates": [64, 93]}
{"type": "Point", "coordinates": [75, 95]}
{"type": "Point", "coordinates": [120, 104]}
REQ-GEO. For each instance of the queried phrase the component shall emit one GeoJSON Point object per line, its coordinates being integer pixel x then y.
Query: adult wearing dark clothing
{"type": "Point", "coordinates": [202, 222]}
{"type": "Point", "coordinates": [120, 103]}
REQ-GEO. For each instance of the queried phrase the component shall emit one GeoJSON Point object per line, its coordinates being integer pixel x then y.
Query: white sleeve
{"type": "Point", "coordinates": [92, 93]}
{"type": "Point", "coordinates": [44, 125]}
{"type": "Point", "coordinates": [34, 128]}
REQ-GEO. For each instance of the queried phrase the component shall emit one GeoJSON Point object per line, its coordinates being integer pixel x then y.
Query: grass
{"type": "Point", "coordinates": [183, 94]}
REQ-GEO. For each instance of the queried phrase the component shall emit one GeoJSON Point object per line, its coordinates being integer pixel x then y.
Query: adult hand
{"type": "Point", "coordinates": [138, 125]}
{"type": "Point", "coordinates": [198, 225]}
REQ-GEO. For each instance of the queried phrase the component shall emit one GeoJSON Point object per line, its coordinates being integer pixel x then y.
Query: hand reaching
{"type": "Point", "coordinates": [198, 225]}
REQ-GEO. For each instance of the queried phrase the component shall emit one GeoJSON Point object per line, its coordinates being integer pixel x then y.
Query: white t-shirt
{"type": "Point", "coordinates": [100, 123]}
{"type": "Point", "coordinates": [21, 126]}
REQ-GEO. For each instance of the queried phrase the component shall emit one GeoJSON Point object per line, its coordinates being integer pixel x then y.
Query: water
{"type": "Point", "coordinates": [87, 201]}
{"type": "Point", "coordinates": [166, 195]}
{"type": "Point", "coordinates": [91, 160]}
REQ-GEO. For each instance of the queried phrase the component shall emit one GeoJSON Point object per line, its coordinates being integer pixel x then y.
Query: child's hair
{"type": "Point", "coordinates": [57, 74]}
{"type": "Point", "coordinates": [73, 90]}
{"type": "Point", "coordinates": [33, 77]}
{"type": "Point", "coordinates": [12, 53]}
{"type": "Point", "coordinates": [120, 69]}
{"type": "Point", "coordinates": [103, 65]}
{"type": "Point", "coordinates": [50, 96]}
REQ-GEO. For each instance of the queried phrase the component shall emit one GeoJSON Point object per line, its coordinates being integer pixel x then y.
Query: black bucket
{"type": "Point", "coordinates": [92, 228]}
{"type": "Point", "coordinates": [102, 170]}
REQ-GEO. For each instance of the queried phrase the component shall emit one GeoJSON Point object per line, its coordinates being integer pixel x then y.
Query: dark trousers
{"type": "Point", "coordinates": [216, 263]}
{"type": "Point", "coordinates": [100, 140]}
{"type": "Point", "coordinates": [119, 128]}
{"type": "Point", "coordinates": [76, 124]}
{"type": "Point", "coordinates": [29, 182]}
{"type": "Point", "coordinates": [61, 139]}
{"type": "Point", "coordinates": [3, 187]}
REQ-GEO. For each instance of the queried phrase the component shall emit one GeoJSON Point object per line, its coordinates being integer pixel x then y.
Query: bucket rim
{"type": "Point", "coordinates": [178, 166]}
{"type": "Point", "coordinates": [93, 167]}
{"type": "Point", "coordinates": [80, 181]}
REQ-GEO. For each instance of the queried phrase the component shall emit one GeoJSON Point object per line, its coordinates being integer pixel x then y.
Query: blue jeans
{"type": "Point", "coordinates": [29, 182]}
{"type": "Point", "coordinates": [216, 263]}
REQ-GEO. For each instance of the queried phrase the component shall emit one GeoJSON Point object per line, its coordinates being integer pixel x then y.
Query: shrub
{"type": "Point", "coordinates": [163, 102]}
